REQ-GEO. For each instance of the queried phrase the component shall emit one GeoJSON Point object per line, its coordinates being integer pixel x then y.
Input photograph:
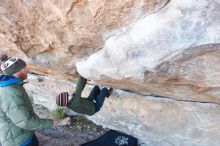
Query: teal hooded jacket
{"type": "Point", "coordinates": [17, 119]}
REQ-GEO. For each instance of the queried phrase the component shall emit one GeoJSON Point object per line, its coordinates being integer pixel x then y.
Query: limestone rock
{"type": "Point", "coordinates": [162, 122]}
{"type": "Point", "coordinates": [174, 53]}
{"type": "Point", "coordinates": [166, 62]}
{"type": "Point", "coordinates": [57, 33]}
{"type": "Point", "coordinates": [155, 121]}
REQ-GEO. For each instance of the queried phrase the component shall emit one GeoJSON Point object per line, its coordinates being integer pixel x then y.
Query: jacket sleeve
{"type": "Point", "coordinates": [23, 117]}
{"type": "Point", "coordinates": [81, 83]}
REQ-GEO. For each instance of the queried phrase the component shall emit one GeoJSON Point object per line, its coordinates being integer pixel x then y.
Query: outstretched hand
{"type": "Point", "coordinates": [63, 122]}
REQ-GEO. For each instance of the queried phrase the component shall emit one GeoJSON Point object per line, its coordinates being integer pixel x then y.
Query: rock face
{"type": "Point", "coordinates": [176, 55]}
{"type": "Point", "coordinates": [154, 120]}
{"type": "Point", "coordinates": [58, 33]}
{"type": "Point", "coordinates": [162, 122]}
{"type": "Point", "coordinates": [167, 63]}
{"type": "Point", "coordinates": [172, 54]}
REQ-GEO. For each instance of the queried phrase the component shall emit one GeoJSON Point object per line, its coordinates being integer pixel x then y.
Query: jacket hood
{"type": "Point", "coordinates": [8, 80]}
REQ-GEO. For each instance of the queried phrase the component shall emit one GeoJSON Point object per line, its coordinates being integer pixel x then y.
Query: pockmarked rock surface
{"type": "Point", "coordinates": [155, 121]}
{"type": "Point", "coordinates": [57, 33]}
{"type": "Point", "coordinates": [163, 65]}
{"type": "Point", "coordinates": [173, 53]}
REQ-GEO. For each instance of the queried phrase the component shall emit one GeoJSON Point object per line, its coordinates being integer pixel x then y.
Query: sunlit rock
{"type": "Point", "coordinates": [155, 39]}
{"type": "Point", "coordinates": [173, 53]}
{"type": "Point", "coordinates": [155, 121]}
{"type": "Point", "coordinates": [164, 67]}
{"type": "Point", "coordinates": [57, 33]}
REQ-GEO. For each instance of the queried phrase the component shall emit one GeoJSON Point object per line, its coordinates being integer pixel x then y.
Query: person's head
{"type": "Point", "coordinates": [62, 99]}
{"type": "Point", "coordinates": [14, 66]}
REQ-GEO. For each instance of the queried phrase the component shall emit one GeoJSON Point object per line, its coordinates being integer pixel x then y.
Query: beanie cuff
{"type": "Point", "coordinates": [14, 68]}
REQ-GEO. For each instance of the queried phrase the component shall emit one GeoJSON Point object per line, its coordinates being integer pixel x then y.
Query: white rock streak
{"type": "Point", "coordinates": [155, 38]}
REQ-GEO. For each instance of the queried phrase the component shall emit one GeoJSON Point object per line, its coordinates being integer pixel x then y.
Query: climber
{"type": "Point", "coordinates": [89, 105]}
{"type": "Point", "coordinates": [17, 118]}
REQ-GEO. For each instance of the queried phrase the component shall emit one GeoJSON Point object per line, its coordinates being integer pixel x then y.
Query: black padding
{"type": "Point", "coordinates": [113, 138]}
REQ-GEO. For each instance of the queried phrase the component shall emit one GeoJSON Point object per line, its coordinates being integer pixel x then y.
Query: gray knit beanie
{"type": "Point", "coordinates": [11, 65]}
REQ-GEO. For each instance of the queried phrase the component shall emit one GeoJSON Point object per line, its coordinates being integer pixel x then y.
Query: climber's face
{"type": "Point", "coordinates": [22, 74]}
